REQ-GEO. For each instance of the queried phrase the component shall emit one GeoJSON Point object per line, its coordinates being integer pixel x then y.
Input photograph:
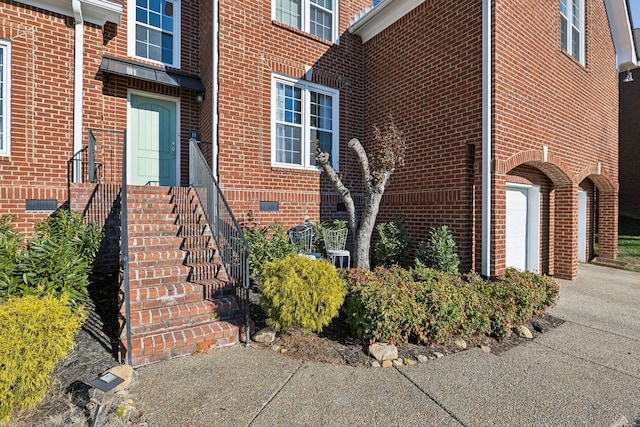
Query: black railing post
{"type": "Point", "coordinates": [124, 249]}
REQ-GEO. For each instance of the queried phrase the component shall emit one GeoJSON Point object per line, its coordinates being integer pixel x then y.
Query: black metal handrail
{"type": "Point", "coordinates": [124, 249]}
{"type": "Point", "coordinates": [100, 160]}
{"type": "Point", "coordinates": [232, 245]}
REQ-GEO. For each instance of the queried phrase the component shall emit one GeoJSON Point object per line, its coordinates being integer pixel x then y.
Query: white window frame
{"type": "Point", "coordinates": [306, 18]}
{"type": "Point", "coordinates": [5, 78]}
{"type": "Point", "coordinates": [131, 34]}
{"type": "Point", "coordinates": [307, 146]}
{"type": "Point", "coordinates": [580, 54]}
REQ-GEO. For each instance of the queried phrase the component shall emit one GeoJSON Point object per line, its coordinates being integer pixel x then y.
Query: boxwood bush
{"type": "Point", "coordinates": [300, 291]}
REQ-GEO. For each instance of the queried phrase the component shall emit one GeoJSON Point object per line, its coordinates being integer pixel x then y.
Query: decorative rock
{"type": "Point", "coordinates": [537, 326]}
{"type": "Point", "coordinates": [485, 348]}
{"type": "Point", "coordinates": [437, 354]}
{"type": "Point", "coordinates": [383, 352]}
{"type": "Point", "coordinates": [398, 362]}
{"type": "Point", "coordinates": [523, 332]}
{"type": "Point", "coordinates": [264, 336]}
{"type": "Point", "coordinates": [460, 343]}
{"type": "Point", "coordinates": [422, 358]}
{"type": "Point", "coordinates": [387, 363]}
{"type": "Point", "coordinates": [375, 364]}
{"type": "Point", "coordinates": [125, 372]}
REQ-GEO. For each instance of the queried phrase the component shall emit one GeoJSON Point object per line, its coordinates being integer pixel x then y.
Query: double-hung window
{"type": "Point", "coordinates": [304, 116]}
{"type": "Point", "coordinates": [572, 29]}
{"type": "Point", "coordinates": [155, 30]}
{"type": "Point", "coordinates": [317, 17]}
{"type": "Point", "coordinates": [5, 76]}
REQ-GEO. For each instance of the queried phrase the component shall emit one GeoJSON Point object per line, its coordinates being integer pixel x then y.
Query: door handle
{"type": "Point", "coordinates": [173, 149]}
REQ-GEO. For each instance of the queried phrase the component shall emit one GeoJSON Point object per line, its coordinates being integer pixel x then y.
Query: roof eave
{"type": "Point", "coordinates": [621, 32]}
{"type": "Point", "coordinates": [387, 12]}
{"type": "Point", "coordinates": [97, 12]}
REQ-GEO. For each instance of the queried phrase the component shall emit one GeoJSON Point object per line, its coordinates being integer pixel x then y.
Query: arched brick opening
{"type": "Point", "coordinates": [558, 210]}
{"type": "Point", "coordinates": [605, 206]}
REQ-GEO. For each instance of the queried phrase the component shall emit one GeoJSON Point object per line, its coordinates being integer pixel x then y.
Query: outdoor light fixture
{"type": "Point", "coordinates": [199, 97]}
{"type": "Point", "coordinates": [629, 77]}
{"type": "Point", "coordinates": [105, 383]}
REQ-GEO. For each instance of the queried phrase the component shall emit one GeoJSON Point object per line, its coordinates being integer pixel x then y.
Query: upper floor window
{"type": "Point", "coordinates": [5, 76]}
{"type": "Point", "coordinates": [318, 17]}
{"type": "Point", "coordinates": [572, 28]}
{"type": "Point", "coordinates": [156, 32]}
{"type": "Point", "coordinates": [303, 115]}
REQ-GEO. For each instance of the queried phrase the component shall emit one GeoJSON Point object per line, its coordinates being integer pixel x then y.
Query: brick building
{"type": "Point", "coordinates": [509, 109]}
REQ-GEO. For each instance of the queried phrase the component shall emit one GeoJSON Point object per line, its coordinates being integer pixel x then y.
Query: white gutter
{"type": "Point", "coordinates": [622, 34]}
{"type": "Point", "coordinates": [214, 95]}
{"type": "Point", "coordinates": [486, 138]}
{"type": "Point", "coordinates": [78, 82]}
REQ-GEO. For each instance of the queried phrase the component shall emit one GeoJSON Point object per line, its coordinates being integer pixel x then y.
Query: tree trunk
{"type": "Point", "coordinates": [362, 238]}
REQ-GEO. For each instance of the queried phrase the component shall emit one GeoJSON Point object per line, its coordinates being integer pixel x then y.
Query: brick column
{"type": "Point", "coordinates": [499, 225]}
{"type": "Point", "coordinates": [566, 232]}
{"type": "Point", "coordinates": [608, 227]}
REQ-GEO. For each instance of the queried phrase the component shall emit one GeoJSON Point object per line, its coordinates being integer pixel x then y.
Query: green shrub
{"type": "Point", "coordinates": [267, 244]}
{"type": "Point", "coordinates": [516, 297]}
{"type": "Point", "coordinates": [393, 246]}
{"type": "Point", "coordinates": [56, 261]}
{"type": "Point", "coordinates": [439, 252]}
{"type": "Point", "coordinates": [300, 291]}
{"type": "Point", "coordinates": [36, 333]}
{"type": "Point", "coordinates": [431, 306]}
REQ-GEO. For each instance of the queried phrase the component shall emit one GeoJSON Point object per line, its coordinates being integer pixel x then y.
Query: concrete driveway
{"type": "Point", "coordinates": [585, 372]}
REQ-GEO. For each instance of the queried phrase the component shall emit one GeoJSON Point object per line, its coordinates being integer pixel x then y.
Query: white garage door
{"type": "Point", "coordinates": [582, 226]}
{"type": "Point", "coordinates": [523, 227]}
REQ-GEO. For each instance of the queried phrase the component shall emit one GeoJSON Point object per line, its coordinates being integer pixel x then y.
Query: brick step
{"type": "Point", "coordinates": [215, 288]}
{"type": "Point", "coordinates": [158, 275]}
{"type": "Point", "coordinates": [154, 243]}
{"type": "Point", "coordinates": [146, 190]}
{"type": "Point", "coordinates": [149, 202]}
{"type": "Point", "coordinates": [153, 229]}
{"type": "Point", "coordinates": [206, 271]}
{"type": "Point", "coordinates": [188, 230]}
{"type": "Point", "coordinates": [157, 209]}
{"type": "Point", "coordinates": [150, 348]}
{"type": "Point", "coordinates": [177, 316]}
{"type": "Point", "coordinates": [156, 296]}
{"type": "Point", "coordinates": [151, 218]}
{"type": "Point", "coordinates": [201, 256]}
{"type": "Point", "coordinates": [200, 241]}
{"type": "Point", "coordinates": [142, 259]}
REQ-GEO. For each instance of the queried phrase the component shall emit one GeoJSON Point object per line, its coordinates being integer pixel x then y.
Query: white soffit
{"type": "Point", "coordinates": [621, 33]}
{"type": "Point", "coordinates": [375, 20]}
{"type": "Point", "coordinates": [96, 12]}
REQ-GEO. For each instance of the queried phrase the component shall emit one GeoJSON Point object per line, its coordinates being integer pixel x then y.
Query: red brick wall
{"type": "Point", "coordinates": [41, 111]}
{"type": "Point", "coordinates": [543, 97]}
{"type": "Point", "coordinates": [42, 76]}
{"type": "Point", "coordinates": [433, 91]}
{"type": "Point", "coordinates": [251, 48]}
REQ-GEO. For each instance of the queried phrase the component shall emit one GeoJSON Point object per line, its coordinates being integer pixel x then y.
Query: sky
{"type": "Point", "coordinates": [634, 5]}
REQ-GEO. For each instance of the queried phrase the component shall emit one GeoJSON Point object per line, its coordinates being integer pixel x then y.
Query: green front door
{"type": "Point", "coordinates": [153, 145]}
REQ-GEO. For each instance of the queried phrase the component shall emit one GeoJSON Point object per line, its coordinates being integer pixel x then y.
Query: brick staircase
{"type": "Point", "coordinates": [180, 298]}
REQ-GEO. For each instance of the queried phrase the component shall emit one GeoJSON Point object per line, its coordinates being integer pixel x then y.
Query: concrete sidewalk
{"type": "Point", "coordinates": [585, 372]}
